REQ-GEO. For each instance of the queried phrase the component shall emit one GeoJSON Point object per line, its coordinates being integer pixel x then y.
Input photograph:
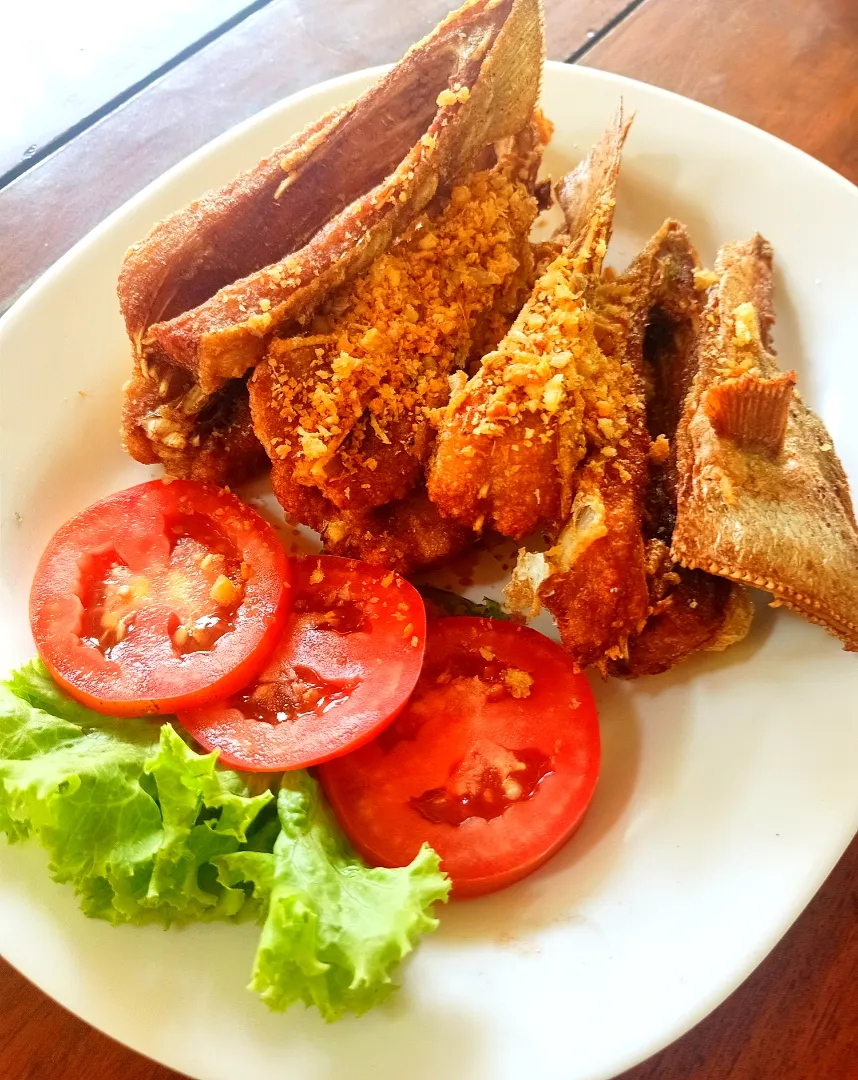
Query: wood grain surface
{"type": "Point", "coordinates": [77, 61]}
{"type": "Point", "coordinates": [790, 67]}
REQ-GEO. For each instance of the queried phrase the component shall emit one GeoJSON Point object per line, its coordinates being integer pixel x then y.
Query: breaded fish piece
{"type": "Point", "coordinates": [346, 408]}
{"type": "Point", "coordinates": [406, 535]}
{"type": "Point", "coordinates": [762, 496]}
{"type": "Point", "coordinates": [689, 610]}
{"type": "Point", "coordinates": [367, 171]}
{"type": "Point", "coordinates": [593, 580]}
{"type": "Point", "coordinates": [511, 438]}
{"type": "Point", "coordinates": [209, 287]}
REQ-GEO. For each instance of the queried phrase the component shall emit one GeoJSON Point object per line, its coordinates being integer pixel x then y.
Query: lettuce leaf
{"type": "Point", "coordinates": [335, 928]}
{"type": "Point", "coordinates": [451, 603]}
{"type": "Point", "coordinates": [127, 812]}
{"type": "Point", "coordinates": [145, 829]}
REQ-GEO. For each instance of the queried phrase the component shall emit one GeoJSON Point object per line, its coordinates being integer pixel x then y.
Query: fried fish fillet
{"type": "Point", "coordinates": [360, 175]}
{"type": "Point", "coordinates": [345, 408]}
{"type": "Point", "coordinates": [511, 438]}
{"type": "Point", "coordinates": [762, 496]}
{"type": "Point", "coordinates": [689, 610]}
{"type": "Point", "coordinates": [208, 288]}
{"type": "Point", "coordinates": [594, 578]}
{"type": "Point", "coordinates": [406, 535]}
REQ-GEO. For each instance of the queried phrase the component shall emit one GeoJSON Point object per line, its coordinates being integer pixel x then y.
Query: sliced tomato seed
{"type": "Point", "coordinates": [129, 621]}
{"type": "Point", "coordinates": [487, 792]}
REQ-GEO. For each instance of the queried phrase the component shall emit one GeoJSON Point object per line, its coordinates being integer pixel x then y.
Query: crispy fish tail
{"type": "Point", "coordinates": [586, 195]}
{"type": "Point", "coordinates": [759, 500]}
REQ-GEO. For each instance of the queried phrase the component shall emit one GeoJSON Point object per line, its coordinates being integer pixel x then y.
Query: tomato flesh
{"type": "Point", "coordinates": [349, 656]}
{"type": "Point", "coordinates": [493, 761]}
{"type": "Point", "coordinates": [159, 598]}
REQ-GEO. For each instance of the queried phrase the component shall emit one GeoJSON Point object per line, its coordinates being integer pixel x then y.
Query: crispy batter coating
{"type": "Point", "coordinates": [209, 286]}
{"type": "Point", "coordinates": [690, 611]}
{"type": "Point", "coordinates": [762, 496]}
{"type": "Point", "coordinates": [406, 535]}
{"type": "Point", "coordinates": [511, 439]}
{"type": "Point", "coordinates": [593, 580]}
{"type": "Point", "coordinates": [347, 187]}
{"type": "Point", "coordinates": [346, 407]}
{"type": "Point", "coordinates": [167, 419]}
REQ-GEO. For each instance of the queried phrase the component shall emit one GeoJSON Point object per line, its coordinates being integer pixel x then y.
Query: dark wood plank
{"type": "Point", "coordinates": [74, 59]}
{"type": "Point", "coordinates": [789, 67]}
{"type": "Point", "coordinates": [283, 48]}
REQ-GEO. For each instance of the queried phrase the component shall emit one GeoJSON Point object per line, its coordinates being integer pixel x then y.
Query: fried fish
{"type": "Point", "coordinates": [762, 497]}
{"type": "Point", "coordinates": [209, 287]}
{"type": "Point", "coordinates": [593, 579]}
{"type": "Point", "coordinates": [512, 437]}
{"type": "Point", "coordinates": [618, 599]}
{"type": "Point", "coordinates": [407, 535]}
{"type": "Point", "coordinates": [689, 610]}
{"type": "Point", "coordinates": [345, 407]}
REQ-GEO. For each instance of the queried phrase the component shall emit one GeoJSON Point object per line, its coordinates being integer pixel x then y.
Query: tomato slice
{"type": "Point", "coordinates": [493, 762]}
{"type": "Point", "coordinates": [349, 657]}
{"type": "Point", "coordinates": [159, 597]}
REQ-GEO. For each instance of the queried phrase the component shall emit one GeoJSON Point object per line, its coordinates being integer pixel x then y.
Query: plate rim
{"type": "Point", "coordinates": [375, 72]}
{"type": "Point", "coordinates": [583, 72]}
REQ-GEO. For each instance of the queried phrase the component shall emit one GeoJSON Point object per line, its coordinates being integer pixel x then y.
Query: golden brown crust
{"type": "Point", "coordinates": [594, 580]}
{"type": "Point", "coordinates": [698, 612]}
{"type": "Point", "coordinates": [511, 440]}
{"type": "Point", "coordinates": [346, 408]}
{"type": "Point", "coordinates": [782, 522]}
{"type": "Point", "coordinates": [689, 610]}
{"type": "Point", "coordinates": [367, 171]}
{"type": "Point", "coordinates": [406, 535]}
{"type": "Point", "coordinates": [166, 419]}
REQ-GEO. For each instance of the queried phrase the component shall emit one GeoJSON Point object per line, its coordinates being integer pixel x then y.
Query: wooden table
{"type": "Point", "coordinates": [790, 67]}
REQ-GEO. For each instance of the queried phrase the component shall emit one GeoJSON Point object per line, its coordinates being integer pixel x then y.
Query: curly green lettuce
{"type": "Point", "coordinates": [453, 604]}
{"type": "Point", "coordinates": [130, 816]}
{"type": "Point", "coordinates": [335, 928]}
{"type": "Point", "coordinates": [145, 829]}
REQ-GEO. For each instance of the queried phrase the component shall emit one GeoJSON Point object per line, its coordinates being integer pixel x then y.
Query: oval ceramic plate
{"type": "Point", "coordinates": [728, 789]}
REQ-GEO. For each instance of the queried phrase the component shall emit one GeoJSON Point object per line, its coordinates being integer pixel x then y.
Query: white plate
{"type": "Point", "coordinates": [728, 789]}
